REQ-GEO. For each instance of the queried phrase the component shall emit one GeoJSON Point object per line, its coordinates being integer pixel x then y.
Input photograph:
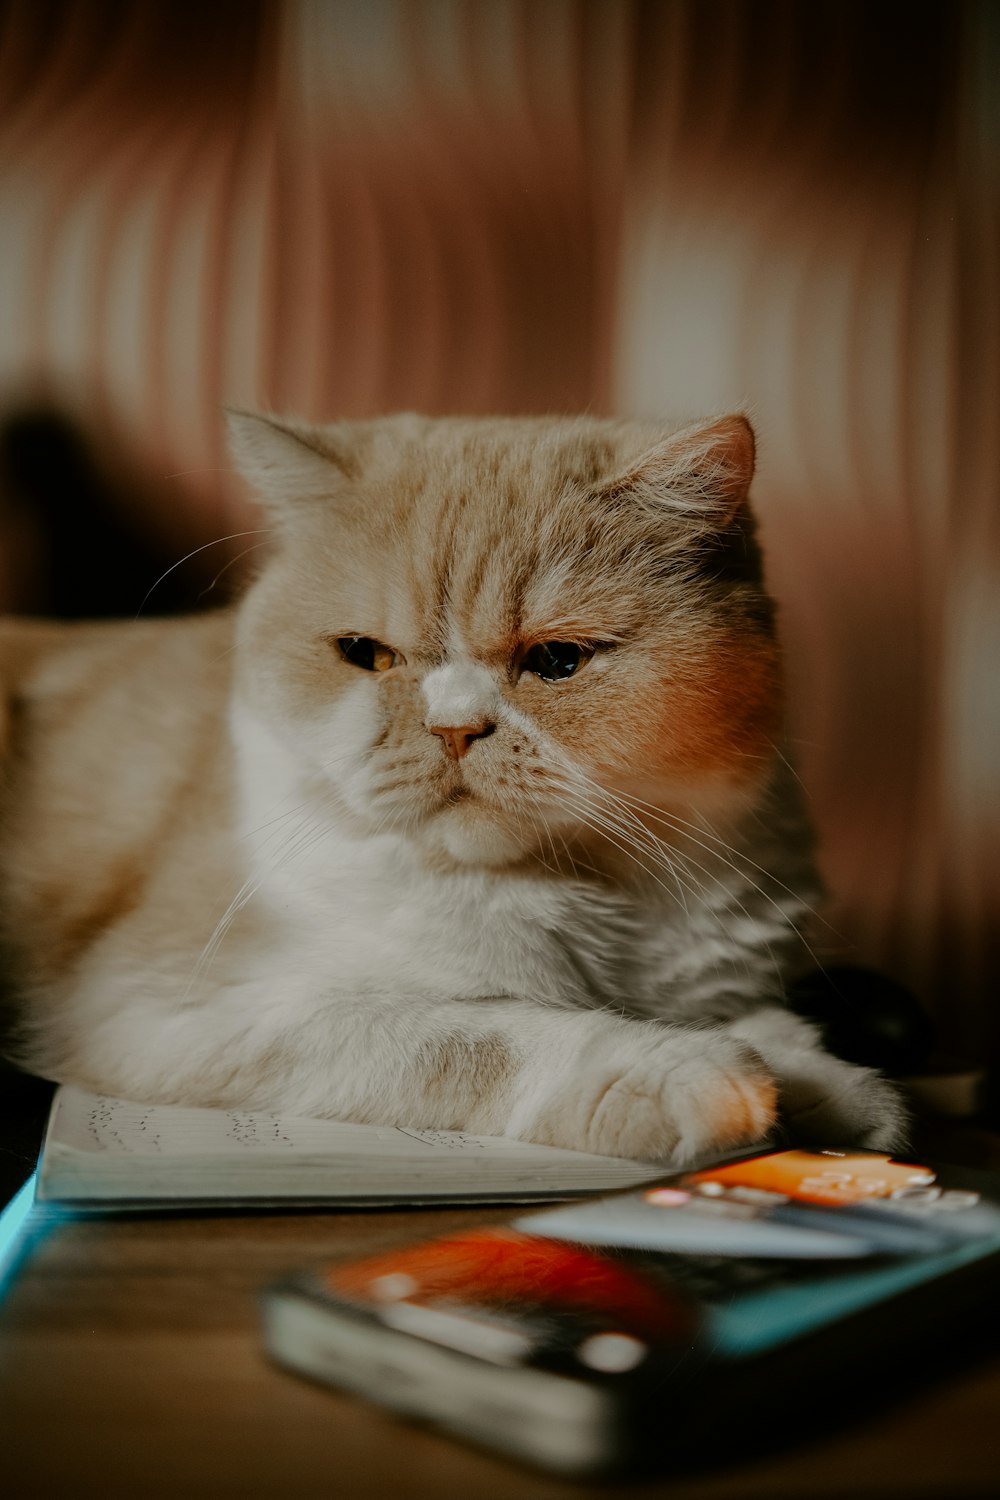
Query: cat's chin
{"type": "Point", "coordinates": [467, 838]}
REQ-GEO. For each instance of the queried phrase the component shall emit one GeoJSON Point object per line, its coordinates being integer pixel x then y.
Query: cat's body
{"type": "Point", "coordinates": [473, 814]}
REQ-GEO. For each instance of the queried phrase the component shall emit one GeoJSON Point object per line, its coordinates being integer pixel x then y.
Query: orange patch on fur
{"type": "Point", "coordinates": [723, 716]}
{"type": "Point", "coordinates": [741, 1119]}
{"type": "Point", "coordinates": [80, 924]}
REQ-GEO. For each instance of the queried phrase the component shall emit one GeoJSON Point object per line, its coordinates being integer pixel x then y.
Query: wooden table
{"type": "Point", "coordinates": [131, 1365]}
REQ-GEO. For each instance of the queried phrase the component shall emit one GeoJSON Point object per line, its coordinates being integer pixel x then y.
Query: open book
{"type": "Point", "coordinates": [109, 1152]}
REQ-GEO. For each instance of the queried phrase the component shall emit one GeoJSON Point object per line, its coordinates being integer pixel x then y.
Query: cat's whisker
{"type": "Point", "coordinates": [327, 794]}
{"type": "Point", "coordinates": [254, 531]}
{"type": "Point", "coordinates": [207, 955]}
{"type": "Point", "coordinates": [225, 568]}
{"type": "Point", "coordinates": [278, 818]}
{"type": "Point", "coordinates": [691, 863]}
{"type": "Point", "coordinates": [523, 819]}
{"type": "Point", "coordinates": [552, 845]}
{"type": "Point", "coordinates": [782, 912]}
{"type": "Point", "coordinates": [788, 764]}
{"type": "Point", "coordinates": [576, 796]}
{"type": "Point", "coordinates": [633, 831]}
{"type": "Point", "coordinates": [603, 829]}
{"type": "Point", "coordinates": [295, 843]}
{"type": "Point", "coordinates": [575, 862]}
{"type": "Point", "coordinates": [567, 852]}
{"type": "Point", "coordinates": [608, 829]}
{"type": "Point", "coordinates": [737, 861]}
{"type": "Point", "coordinates": [723, 849]}
{"type": "Point", "coordinates": [798, 897]}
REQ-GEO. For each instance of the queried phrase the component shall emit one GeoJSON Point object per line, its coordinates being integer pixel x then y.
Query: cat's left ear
{"type": "Point", "coordinates": [703, 471]}
{"type": "Point", "coordinates": [287, 462]}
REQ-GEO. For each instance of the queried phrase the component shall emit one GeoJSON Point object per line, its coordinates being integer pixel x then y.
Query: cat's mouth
{"type": "Point", "coordinates": [451, 788]}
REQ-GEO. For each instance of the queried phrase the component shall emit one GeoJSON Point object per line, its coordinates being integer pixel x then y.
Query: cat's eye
{"type": "Point", "coordinates": [555, 660]}
{"type": "Point", "coordinates": [370, 655]}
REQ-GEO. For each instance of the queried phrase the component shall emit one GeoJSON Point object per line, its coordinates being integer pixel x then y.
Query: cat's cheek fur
{"type": "Point", "coordinates": [279, 751]}
{"type": "Point", "coordinates": [723, 717]}
{"type": "Point", "coordinates": [708, 740]}
{"type": "Point", "coordinates": [353, 725]}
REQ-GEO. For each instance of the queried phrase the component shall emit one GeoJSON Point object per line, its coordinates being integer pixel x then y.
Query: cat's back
{"type": "Point", "coordinates": [48, 662]}
{"type": "Point", "coordinates": [79, 701]}
{"type": "Point", "coordinates": [112, 733]}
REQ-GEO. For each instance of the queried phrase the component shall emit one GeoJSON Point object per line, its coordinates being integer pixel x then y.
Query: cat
{"type": "Point", "coordinates": [472, 814]}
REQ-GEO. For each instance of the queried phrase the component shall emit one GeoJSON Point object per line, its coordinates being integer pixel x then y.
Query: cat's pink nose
{"type": "Point", "coordinates": [456, 738]}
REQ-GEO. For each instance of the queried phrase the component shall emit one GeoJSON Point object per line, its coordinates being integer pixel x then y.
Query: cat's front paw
{"type": "Point", "coordinates": [824, 1101]}
{"type": "Point", "coordinates": [659, 1093]}
{"type": "Point", "coordinates": [827, 1102]}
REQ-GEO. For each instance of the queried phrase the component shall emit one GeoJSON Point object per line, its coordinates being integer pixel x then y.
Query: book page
{"type": "Point", "coordinates": [96, 1123]}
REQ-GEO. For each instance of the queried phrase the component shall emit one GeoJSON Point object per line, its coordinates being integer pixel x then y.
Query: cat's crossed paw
{"type": "Point", "coordinates": [824, 1101]}
{"type": "Point", "coordinates": [673, 1096]}
{"type": "Point", "coordinates": [827, 1102]}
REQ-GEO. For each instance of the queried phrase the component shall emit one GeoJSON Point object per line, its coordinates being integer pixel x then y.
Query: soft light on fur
{"type": "Point", "coordinates": [240, 867]}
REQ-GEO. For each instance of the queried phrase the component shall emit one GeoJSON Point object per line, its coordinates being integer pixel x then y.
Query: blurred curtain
{"type": "Point", "coordinates": [346, 206]}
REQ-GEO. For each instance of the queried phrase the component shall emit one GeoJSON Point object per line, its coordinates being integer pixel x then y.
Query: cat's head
{"type": "Point", "coordinates": [493, 635]}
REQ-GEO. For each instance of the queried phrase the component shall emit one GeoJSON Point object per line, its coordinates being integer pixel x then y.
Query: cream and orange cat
{"type": "Point", "coordinates": [473, 813]}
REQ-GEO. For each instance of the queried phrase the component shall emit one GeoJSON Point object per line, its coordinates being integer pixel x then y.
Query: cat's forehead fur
{"type": "Point", "coordinates": [499, 527]}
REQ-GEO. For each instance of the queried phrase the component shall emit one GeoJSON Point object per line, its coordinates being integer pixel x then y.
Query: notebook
{"type": "Point", "coordinates": [112, 1153]}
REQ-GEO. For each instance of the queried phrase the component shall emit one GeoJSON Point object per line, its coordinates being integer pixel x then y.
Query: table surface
{"type": "Point", "coordinates": [131, 1365]}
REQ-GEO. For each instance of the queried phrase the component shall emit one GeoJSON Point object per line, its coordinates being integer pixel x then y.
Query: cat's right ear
{"type": "Point", "coordinates": [286, 462]}
{"type": "Point", "coordinates": [702, 473]}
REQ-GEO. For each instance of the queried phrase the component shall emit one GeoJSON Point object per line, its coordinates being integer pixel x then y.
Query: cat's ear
{"type": "Point", "coordinates": [288, 462]}
{"type": "Point", "coordinates": [703, 472]}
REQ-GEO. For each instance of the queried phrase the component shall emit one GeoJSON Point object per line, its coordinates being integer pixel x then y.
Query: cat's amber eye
{"type": "Point", "coordinates": [555, 660]}
{"type": "Point", "coordinates": [371, 656]}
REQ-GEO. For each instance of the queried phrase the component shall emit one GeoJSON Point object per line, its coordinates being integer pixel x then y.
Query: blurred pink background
{"type": "Point", "coordinates": [341, 207]}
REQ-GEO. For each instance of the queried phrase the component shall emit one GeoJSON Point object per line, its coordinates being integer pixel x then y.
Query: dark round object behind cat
{"type": "Point", "coordinates": [866, 1017]}
{"type": "Point", "coordinates": [95, 556]}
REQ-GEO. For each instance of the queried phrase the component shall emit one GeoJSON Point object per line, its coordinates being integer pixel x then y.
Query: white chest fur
{"type": "Point", "coordinates": [365, 915]}
{"type": "Point", "coordinates": [359, 912]}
